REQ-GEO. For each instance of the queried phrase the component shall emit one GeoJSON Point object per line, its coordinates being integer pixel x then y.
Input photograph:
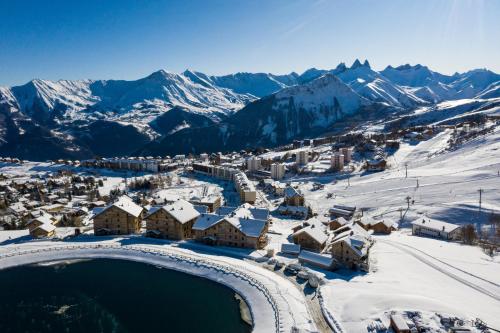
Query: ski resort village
{"type": "Point", "coordinates": [394, 231]}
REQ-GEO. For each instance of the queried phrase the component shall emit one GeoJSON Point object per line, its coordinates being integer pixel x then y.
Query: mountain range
{"type": "Point", "coordinates": [169, 113]}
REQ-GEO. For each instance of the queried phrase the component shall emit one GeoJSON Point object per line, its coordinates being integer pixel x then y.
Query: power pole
{"type": "Point", "coordinates": [417, 183]}
{"type": "Point", "coordinates": [480, 197]}
{"type": "Point", "coordinates": [406, 170]}
{"type": "Point", "coordinates": [408, 198]}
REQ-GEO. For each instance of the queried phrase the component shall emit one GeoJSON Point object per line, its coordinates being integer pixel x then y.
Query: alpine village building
{"type": "Point", "coordinates": [172, 221]}
{"type": "Point", "coordinates": [120, 218]}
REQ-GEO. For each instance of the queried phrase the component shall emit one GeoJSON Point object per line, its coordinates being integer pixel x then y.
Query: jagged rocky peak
{"type": "Point", "coordinates": [357, 63]}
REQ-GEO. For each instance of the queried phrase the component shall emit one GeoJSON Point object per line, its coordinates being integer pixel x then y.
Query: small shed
{"type": "Point", "coordinates": [398, 324]}
{"type": "Point", "coordinates": [316, 259]}
{"type": "Point", "coordinates": [293, 249]}
{"type": "Point", "coordinates": [382, 227]}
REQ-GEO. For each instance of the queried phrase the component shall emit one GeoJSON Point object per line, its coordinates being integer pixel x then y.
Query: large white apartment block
{"type": "Point", "coordinates": [277, 171]}
{"type": "Point", "coordinates": [254, 164]}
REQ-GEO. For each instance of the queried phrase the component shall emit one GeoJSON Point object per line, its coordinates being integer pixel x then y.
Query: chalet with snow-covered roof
{"type": "Point", "coordinates": [230, 230]}
{"type": "Point", "coordinates": [293, 197]}
{"type": "Point", "coordinates": [120, 218]}
{"type": "Point", "coordinates": [436, 229]}
{"type": "Point", "coordinates": [172, 221]}
{"type": "Point", "coordinates": [41, 226]}
{"type": "Point", "coordinates": [382, 227]}
{"type": "Point", "coordinates": [311, 238]}
{"type": "Point", "coordinates": [351, 247]}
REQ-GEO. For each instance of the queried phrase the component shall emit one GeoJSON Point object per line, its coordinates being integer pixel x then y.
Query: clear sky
{"type": "Point", "coordinates": [125, 39]}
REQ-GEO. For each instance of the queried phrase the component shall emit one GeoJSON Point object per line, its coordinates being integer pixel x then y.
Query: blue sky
{"type": "Point", "coordinates": [127, 39]}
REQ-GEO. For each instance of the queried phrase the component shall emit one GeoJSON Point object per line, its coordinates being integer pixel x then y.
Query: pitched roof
{"type": "Point", "coordinates": [249, 227]}
{"type": "Point", "coordinates": [126, 204]}
{"type": "Point", "coordinates": [245, 210]}
{"type": "Point", "coordinates": [290, 248]}
{"type": "Point", "coordinates": [291, 192]}
{"type": "Point", "coordinates": [342, 221]}
{"type": "Point", "coordinates": [47, 227]}
{"type": "Point", "coordinates": [181, 210]}
{"type": "Point", "coordinates": [205, 221]}
{"type": "Point", "coordinates": [316, 258]}
{"type": "Point", "coordinates": [436, 225]}
{"type": "Point", "coordinates": [315, 232]}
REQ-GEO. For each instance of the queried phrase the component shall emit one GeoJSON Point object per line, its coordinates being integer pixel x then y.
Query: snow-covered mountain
{"type": "Point", "coordinates": [255, 84]}
{"type": "Point", "coordinates": [118, 99]}
{"type": "Point", "coordinates": [84, 118]}
{"type": "Point", "coordinates": [434, 87]}
{"type": "Point", "coordinates": [414, 76]}
{"type": "Point", "coordinates": [294, 112]}
{"type": "Point", "coordinates": [83, 111]}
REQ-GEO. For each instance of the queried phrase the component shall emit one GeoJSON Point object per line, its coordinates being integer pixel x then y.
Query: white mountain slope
{"type": "Point", "coordinates": [326, 92]}
{"type": "Point", "coordinates": [414, 76]}
{"type": "Point", "coordinates": [144, 99]}
{"type": "Point", "coordinates": [255, 84]}
{"type": "Point", "coordinates": [434, 87]}
{"type": "Point", "coordinates": [372, 85]}
{"type": "Point", "coordinates": [492, 91]}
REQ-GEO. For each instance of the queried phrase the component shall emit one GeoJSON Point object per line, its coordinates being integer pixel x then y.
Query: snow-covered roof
{"type": "Point", "coordinates": [344, 207]}
{"type": "Point", "coordinates": [42, 219]}
{"type": "Point", "coordinates": [340, 212]}
{"type": "Point", "coordinates": [315, 232]}
{"type": "Point", "coordinates": [47, 227]}
{"type": "Point", "coordinates": [205, 221]}
{"type": "Point", "coordinates": [291, 192]}
{"type": "Point", "coordinates": [126, 204]}
{"type": "Point", "coordinates": [400, 322]}
{"type": "Point", "coordinates": [225, 210]}
{"type": "Point", "coordinates": [245, 210]}
{"type": "Point", "coordinates": [316, 258]}
{"type": "Point", "coordinates": [293, 209]}
{"type": "Point", "coordinates": [181, 210]}
{"type": "Point", "coordinates": [17, 207]}
{"type": "Point", "coordinates": [290, 248]}
{"type": "Point", "coordinates": [202, 209]}
{"type": "Point", "coordinates": [436, 225]}
{"type": "Point", "coordinates": [342, 221]}
{"type": "Point", "coordinates": [249, 227]}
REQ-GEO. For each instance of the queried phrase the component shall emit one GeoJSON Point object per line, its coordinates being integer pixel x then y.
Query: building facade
{"type": "Point", "coordinates": [172, 221]}
{"type": "Point", "coordinates": [277, 171]}
{"type": "Point", "coordinates": [337, 161]}
{"type": "Point", "coordinates": [121, 218]}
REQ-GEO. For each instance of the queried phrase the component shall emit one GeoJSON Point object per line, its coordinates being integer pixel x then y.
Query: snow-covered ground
{"type": "Point", "coordinates": [442, 184]}
{"type": "Point", "coordinates": [412, 273]}
{"type": "Point", "coordinates": [408, 273]}
{"type": "Point", "coordinates": [429, 275]}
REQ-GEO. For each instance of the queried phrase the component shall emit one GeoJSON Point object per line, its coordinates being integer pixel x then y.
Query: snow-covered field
{"type": "Point", "coordinates": [428, 275]}
{"type": "Point", "coordinates": [442, 185]}
{"type": "Point", "coordinates": [412, 273]}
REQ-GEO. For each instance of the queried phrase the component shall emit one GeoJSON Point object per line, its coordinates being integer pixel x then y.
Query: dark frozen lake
{"type": "Point", "coordinates": [107, 295]}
